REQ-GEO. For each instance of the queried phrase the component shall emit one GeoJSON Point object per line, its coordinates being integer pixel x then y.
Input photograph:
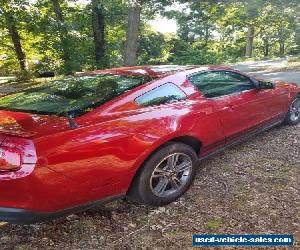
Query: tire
{"type": "Point", "coordinates": [159, 181]}
{"type": "Point", "coordinates": [293, 115]}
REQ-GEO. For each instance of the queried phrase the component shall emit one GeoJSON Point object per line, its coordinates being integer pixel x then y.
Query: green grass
{"type": "Point", "coordinates": [294, 59]}
{"type": "Point", "coordinates": [214, 224]}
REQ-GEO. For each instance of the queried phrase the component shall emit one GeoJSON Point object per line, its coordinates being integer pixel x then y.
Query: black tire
{"type": "Point", "coordinates": [142, 190]}
{"type": "Point", "coordinates": [291, 118]}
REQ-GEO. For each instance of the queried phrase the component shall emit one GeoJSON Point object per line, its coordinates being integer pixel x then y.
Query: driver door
{"type": "Point", "coordinates": [238, 105]}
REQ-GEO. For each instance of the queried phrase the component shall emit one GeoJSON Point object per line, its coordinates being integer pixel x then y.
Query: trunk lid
{"type": "Point", "coordinates": [30, 125]}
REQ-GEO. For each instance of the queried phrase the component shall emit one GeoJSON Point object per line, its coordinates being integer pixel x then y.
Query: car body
{"type": "Point", "coordinates": [53, 165]}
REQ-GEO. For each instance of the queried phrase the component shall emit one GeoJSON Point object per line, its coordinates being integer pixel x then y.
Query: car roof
{"type": "Point", "coordinates": [153, 71]}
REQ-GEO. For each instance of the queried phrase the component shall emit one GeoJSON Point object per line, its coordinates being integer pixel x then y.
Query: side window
{"type": "Point", "coordinates": [166, 93]}
{"type": "Point", "coordinates": [219, 83]}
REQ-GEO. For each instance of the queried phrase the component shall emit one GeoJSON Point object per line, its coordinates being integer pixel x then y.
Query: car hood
{"type": "Point", "coordinates": [30, 125]}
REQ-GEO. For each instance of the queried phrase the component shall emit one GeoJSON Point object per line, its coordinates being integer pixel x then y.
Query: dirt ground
{"type": "Point", "coordinates": [250, 189]}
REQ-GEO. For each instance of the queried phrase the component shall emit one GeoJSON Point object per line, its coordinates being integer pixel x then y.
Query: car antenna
{"type": "Point", "coordinates": [72, 122]}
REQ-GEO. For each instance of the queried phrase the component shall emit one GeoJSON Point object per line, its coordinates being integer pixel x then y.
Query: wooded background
{"type": "Point", "coordinates": [68, 36]}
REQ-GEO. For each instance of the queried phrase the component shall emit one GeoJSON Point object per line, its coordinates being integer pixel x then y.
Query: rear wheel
{"type": "Point", "coordinates": [165, 176]}
{"type": "Point", "coordinates": [293, 115]}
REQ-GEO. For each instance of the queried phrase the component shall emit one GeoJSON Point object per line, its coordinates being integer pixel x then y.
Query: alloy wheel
{"type": "Point", "coordinates": [295, 110]}
{"type": "Point", "coordinates": [171, 174]}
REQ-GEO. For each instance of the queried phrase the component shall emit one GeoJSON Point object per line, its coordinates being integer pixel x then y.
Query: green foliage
{"type": "Point", "coordinates": [23, 76]}
{"type": "Point", "coordinates": [154, 47]}
{"type": "Point", "coordinates": [214, 225]}
{"type": "Point", "coordinates": [294, 59]}
{"type": "Point", "coordinates": [214, 32]}
{"type": "Point", "coordinates": [209, 32]}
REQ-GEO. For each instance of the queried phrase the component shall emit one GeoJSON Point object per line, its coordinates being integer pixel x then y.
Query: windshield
{"type": "Point", "coordinates": [73, 95]}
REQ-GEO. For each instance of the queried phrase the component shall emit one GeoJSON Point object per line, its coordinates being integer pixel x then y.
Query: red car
{"type": "Point", "coordinates": [138, 132]}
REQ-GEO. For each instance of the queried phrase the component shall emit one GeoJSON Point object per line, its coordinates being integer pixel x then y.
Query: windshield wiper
{"type": "Point", "coordinates": [72, 122]}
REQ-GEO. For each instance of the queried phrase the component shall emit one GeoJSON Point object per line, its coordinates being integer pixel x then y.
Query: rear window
{"type": "Point", "coordinates": [72, 95]}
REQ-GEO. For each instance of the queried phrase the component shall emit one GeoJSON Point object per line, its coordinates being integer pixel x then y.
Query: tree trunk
{"type": "Point", "coordinates": [131, 45]}
{"type": "Point", "coordinates": [266, 47]}
{"type": "Point", "coordinates": [98, 21]}
{"type": "Point", "coordinates": [281, 48]}
{"type": "Point", "coordinates": [250, 39]}
{"type": "Point", "coordinates": [297, 38]}
{"type": "Point", "coordinates": [16, 39]}
{"type": "Point", "coordinates": [64, 37]}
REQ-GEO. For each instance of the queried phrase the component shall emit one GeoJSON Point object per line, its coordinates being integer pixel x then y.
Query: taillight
{"type": "Point", "coordinates": [10, 159]}
{"type": "Point", "coordinates": [16, 153]}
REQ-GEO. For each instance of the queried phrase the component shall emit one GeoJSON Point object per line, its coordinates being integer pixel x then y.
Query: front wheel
{"type": "Point", "coordinates": [293, 115]}
{"type": "Point", "coordinates": [165, 176]}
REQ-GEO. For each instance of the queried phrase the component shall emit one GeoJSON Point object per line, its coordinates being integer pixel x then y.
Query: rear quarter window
{"type": "Point", "coordinates": [166, 93]}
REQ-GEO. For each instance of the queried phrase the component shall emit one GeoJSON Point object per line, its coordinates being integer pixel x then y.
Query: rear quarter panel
{"type": "Point", "coordinates": [101, 159]}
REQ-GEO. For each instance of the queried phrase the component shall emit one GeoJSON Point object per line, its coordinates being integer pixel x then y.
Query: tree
{"type": "Point", "coordinates": [250, 39]}
{"type": "Point", "coordinates": [270, 19]}
{"type": "Point", "coordinates": [154, 47]}
{"type": "Point", "coordinates": [134, 23]}
{"type": "Point", "coordinates": [72, 35]}
{"type": "Point", "coordinates": [98, 24]}
{"type": "Point", "coordinates": [64, 36]}
{"type": "Point", "coordinates": [11, 24]}
{"type": "Point", "coordinates": [131, 45]}
{"type": "Point", "coordinates": [252, 8]}
{"type": "Point", "coordinates": [276, 27]}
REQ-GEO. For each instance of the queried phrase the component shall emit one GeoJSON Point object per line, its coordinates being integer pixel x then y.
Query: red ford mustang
{"type": "Point", "coordinates": [138, 132]}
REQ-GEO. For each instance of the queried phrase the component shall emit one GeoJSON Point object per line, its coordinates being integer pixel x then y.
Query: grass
{"type": "Point", "coordinates": [294, 59]}
{"type": "Point", "coordinates": [214, 224]}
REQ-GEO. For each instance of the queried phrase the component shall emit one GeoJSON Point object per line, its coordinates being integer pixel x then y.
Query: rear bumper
{"type": "Point", "coordinates": [23, 216]}
{"type": "Point", "coordinates": [18, 216]}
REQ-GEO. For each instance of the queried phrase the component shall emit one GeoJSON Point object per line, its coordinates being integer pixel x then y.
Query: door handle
{"type": "Point", "coordinates": [225, 108]}
{"type": "Point", "coordinates": [228, 107]}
